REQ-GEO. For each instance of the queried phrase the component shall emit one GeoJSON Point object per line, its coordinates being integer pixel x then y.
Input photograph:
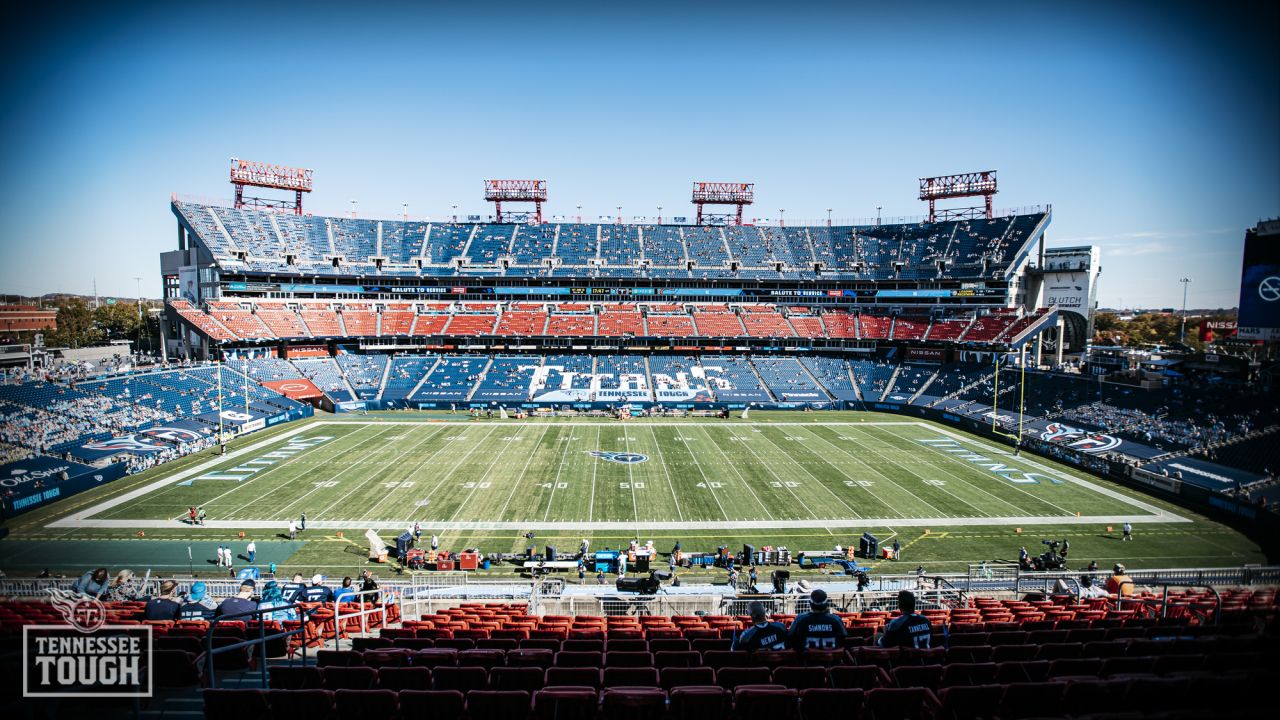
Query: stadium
{"type": "Point", "coordinates": [507, 463]}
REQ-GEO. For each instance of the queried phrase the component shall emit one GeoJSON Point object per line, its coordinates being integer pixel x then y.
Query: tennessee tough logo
{"type": "Point", "coordinates": [626, 458]}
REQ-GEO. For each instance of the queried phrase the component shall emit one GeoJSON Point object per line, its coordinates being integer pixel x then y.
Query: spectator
{"type": "Point", "coordinates": [908, 629]}
{"type": "Point", "coordinates": [1119, 584]}
{"type": "Point", "coordinates": [198, 606]}
{"type": "Point", "coordinates": [346, 593]}
{"type": "Point", "coordinates": [295, 589]}
{"type": "Point", "coordinates": [819, 628]}
{"type": "Point", "coordinates": [165, 606]}
{"type": "Point", "coordinates": [91, 584]}
{"type": "Point", "coordinates": [367, 584]}
{"type": "Point", "coordinates": [241, 602]}
{"type": "Point", "coordinates": [763, 634]}
{"type": "Point", "coordinates": [316, 592]}
{"type": "Point", "coordinates": [273, 597]}
{"type": "Point", "coordinates": [1088, 590]}
{"type": "Point", "coordinates": [122, 587]}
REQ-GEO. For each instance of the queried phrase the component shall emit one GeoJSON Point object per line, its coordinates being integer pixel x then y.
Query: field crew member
{"type": "Point", "coordinates": [819, 628]}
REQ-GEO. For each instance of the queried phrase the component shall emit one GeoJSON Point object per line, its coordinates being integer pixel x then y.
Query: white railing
{"type": "Point", "coordinates": [361, 609]}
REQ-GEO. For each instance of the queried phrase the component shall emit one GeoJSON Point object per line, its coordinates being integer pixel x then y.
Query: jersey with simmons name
{"type": "Point", "coordinates": [817, 631]}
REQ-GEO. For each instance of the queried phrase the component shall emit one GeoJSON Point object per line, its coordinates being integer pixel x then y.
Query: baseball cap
{"type": "Point", "coordinates": [248, 583]}
{"type": "Point", "coordinates": [197, 592]}
{"type": "Point", "coordinates": [1119, 568]}
{"type": "Point", "coordinates": [317, 579]}
{"type": "Point", "coordinates": [818, 598]}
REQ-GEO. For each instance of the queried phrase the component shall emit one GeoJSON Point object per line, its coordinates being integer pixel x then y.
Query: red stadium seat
{"type": "Point", "coordinates": [565, 703]}
{"type": "Point", "coordinates": [404, 678]}
{"type": "Point", "coordinates": [497, 704]}
{"type": "Point", "coordinates": [366, 704]}
{"type": "Point", "coordinates": [434, 704]}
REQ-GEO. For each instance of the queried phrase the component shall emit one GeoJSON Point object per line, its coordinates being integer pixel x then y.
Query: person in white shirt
{"type": "Point", "coordinates": [251, 550]}
{"type": "Point", "coordinates": [293, 530]}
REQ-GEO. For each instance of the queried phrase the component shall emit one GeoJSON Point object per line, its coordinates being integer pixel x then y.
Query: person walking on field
{"type": "Point", "coordinates": [1127, 529]}
{"type": "Point", "coordinates": [293, 530]}
{"type": "Point", "coordinates": [251, 551]}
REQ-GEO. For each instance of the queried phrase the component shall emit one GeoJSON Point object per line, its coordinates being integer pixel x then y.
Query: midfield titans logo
{"type": "Point", "coordinates": [626, 458]}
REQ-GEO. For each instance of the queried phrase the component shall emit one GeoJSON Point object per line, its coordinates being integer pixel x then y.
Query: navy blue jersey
{"type": "Point", "coordinates": [818, 630]}
{"type": "Point", "coordinates": [194, 611]}
{"type": "Point", "coordinates": [907, 631]}
{"type": "Point", "coordinates": [293, 592]}
{"type": "Point", "coordinates": [318, 593]}
{"type": "Point", "coordinates": [237, 605]}
{"type": "Point", "coordinates": [161, 609]}
{"type": "Point", "coordinates": [767, 636]}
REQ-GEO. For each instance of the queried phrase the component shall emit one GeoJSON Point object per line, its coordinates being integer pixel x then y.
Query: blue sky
{"type": "Point", "coordinates": [1153, 134]}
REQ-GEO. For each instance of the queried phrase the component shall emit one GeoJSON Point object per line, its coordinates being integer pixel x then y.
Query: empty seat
{"type": "Point", "coordinates": [580, 676]}
{"type": "Point", "coordinates": [970, 701]}
{"type": "Point", "coordinates": [857, 676]}
{"type": "Point", "coordinates": [968, 674]}
{"type": "Point", "coordinates": [1022, 671]}
{"type": "Point", "coordinates": [235, 704]}
{"type": "Point", "coordinates": [434, 704]}
{"type": "Point", "coordinates": [676, 658]}
{"type": "Point", "coordinates": [464, 679]}
{"type": "Point", "coordinates": [349, 678]}
{"type": "Point", "coordinates": [676, 676]}
{"type": "Point", "coordinates": [628, 659]}
{"type": "Point", "coordinates": [1074, 667]}
{"type": "Point", "coordinates": [530, 657]}
{"type": "Point", "coordinates": [763, 702]}
{"type": "Point", "coordinates": [564, 703]}
{"type": "Point", "coordinates": [699, 702]}
{"type": "Point", "coordinates": [516, 678]}
{"type": "Point", "coordinates": [571, 658]}
{"type": "Point", "coordinates": [926, 676]}
{"type": "Point", "coordinates": [300, 703]}
{"type": "Point", "coordinates": [831, 703]}
{"type": "Point", "coordinates": [731, 677]}
{"type": "Point", "coordinates": [366, 704]}
{"type": "Point", "coordinates": [404, 678]}
{"type": "Point", "coordinates": [800, 678]}
{"type": "Point", "coordinates": [630, 676]}
{"type": "Point", "coordinates": [497, 704]}
{"type": "Point", "coordinates": [434, 657]}
{"type": "Point", "coordinates": [883, 703]}
{"type": "Point", "coordinates": [481, 658]}
{"type": "Point", "coordinates": [633, 703]}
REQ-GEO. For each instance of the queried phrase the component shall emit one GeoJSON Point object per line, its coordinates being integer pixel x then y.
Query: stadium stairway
{"type": "Point", "coordinates": [480, 378]}
{"type": "Point", "coordinates": [386, 372]}
{"type": "Point", "coordinates": [888, 387]}
{"type": "Point", "coordinates": [759, 379]}
{"type": "Point", "coordinates": [923, 386]}
{"type": "Point", "coordinates": [857, 390]}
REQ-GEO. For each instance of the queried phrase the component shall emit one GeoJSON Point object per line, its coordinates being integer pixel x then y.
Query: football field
{"type": "Point", "coordinates": [557, 475]}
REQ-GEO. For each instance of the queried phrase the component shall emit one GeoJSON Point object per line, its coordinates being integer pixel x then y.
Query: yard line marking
{"type": "Point", "coordinates": [907, 468]}
{"type": "Point", "coordinates": [705, 480]}
{"type": "Point", "coordinates": [591, 506]}
{"type": "Point", "coordinates": [456, 465]}
{"type": "Point", "coordinates": [868, 466]}
{"type": "Point", "coordinates": [662, 461]}
{"type": "Point", "coordinates": [493, 463]}
{"type": "Point", "coordinates": [631, 475]}
{"type": "Point", "coordinates": [524, 470]}
{"type": "Point", "coordinates": [409, 476]}
{"type": "Point", "coordinates": [813, 477]}
{"type": "Point", "coordinates": [769, 467]}
{"type": "Point", "coordinates": [335, 476]}
{"type": "Point", "coordinates": [365, 484]}
{"type": "Point", "coordinates": [733, 467]}
{"type": "Point", "coordinates": [568, 442]}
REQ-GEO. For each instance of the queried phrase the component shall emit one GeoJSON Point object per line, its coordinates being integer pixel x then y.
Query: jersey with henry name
{"type": "Point", "coordinates": [765, 636]}
{"type": "Point", "coordinates": [815, 630]}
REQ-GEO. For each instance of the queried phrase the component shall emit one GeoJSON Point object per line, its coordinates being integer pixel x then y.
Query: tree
{"type": "Point", "coordinates": [76, 327]}
{"type": "Point", "coordinates": [118, 321]}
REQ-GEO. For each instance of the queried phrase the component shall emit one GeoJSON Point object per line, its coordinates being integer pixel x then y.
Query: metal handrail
{"type": "Point", "coordinates": [363, 613]}
{"type": "Point", "coordinates": [210, 651]}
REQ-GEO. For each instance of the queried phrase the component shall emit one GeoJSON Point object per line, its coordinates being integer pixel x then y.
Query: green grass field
{"type": "Point", "coordinates": [805, 481]}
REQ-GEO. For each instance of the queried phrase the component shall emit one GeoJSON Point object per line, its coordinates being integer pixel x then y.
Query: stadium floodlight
{"type": "Point", "coordinates": [659, 214]}
{"type": "Point", "coordinates": [248, 173]}
{"type": "Point", "coordinates": [1182, 334]}
{"type": "Point", "coordinates": [500, 191]}
{"type": "Point", "coordinates": [828, 217]}
{"type": "Point", "coordinates": [619, 215]}
{"type": "Point", "coordinates": [722, 193]}
{"type": "Point", "coordinates": [782, 217]}
{"type": "Point", "coordinates": [945, 187]}
{"type": "Point", "coordinates": [455, 212]}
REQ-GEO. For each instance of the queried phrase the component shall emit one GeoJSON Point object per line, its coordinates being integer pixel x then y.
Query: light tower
{"type": "Point", "coordinates": [247, 173]}
{"type": "Point", "coordinates": [500, 191]}
{"type": "Point", "coordinates": [718, 193]}
{"type": "Point", "coordinates": [944, 187]}
{"type": "Point", "coordinates": [1182, 334]}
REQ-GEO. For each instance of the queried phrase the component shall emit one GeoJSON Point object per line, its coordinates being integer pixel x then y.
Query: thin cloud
{"type": "Point", "coordinates": [1138, 249]}
{"type": "Point", "coordinates": [1146, 235]}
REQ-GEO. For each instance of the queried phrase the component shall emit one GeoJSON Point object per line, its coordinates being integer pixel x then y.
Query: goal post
{"type": "Point", "coordinates": [1021, 380]}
